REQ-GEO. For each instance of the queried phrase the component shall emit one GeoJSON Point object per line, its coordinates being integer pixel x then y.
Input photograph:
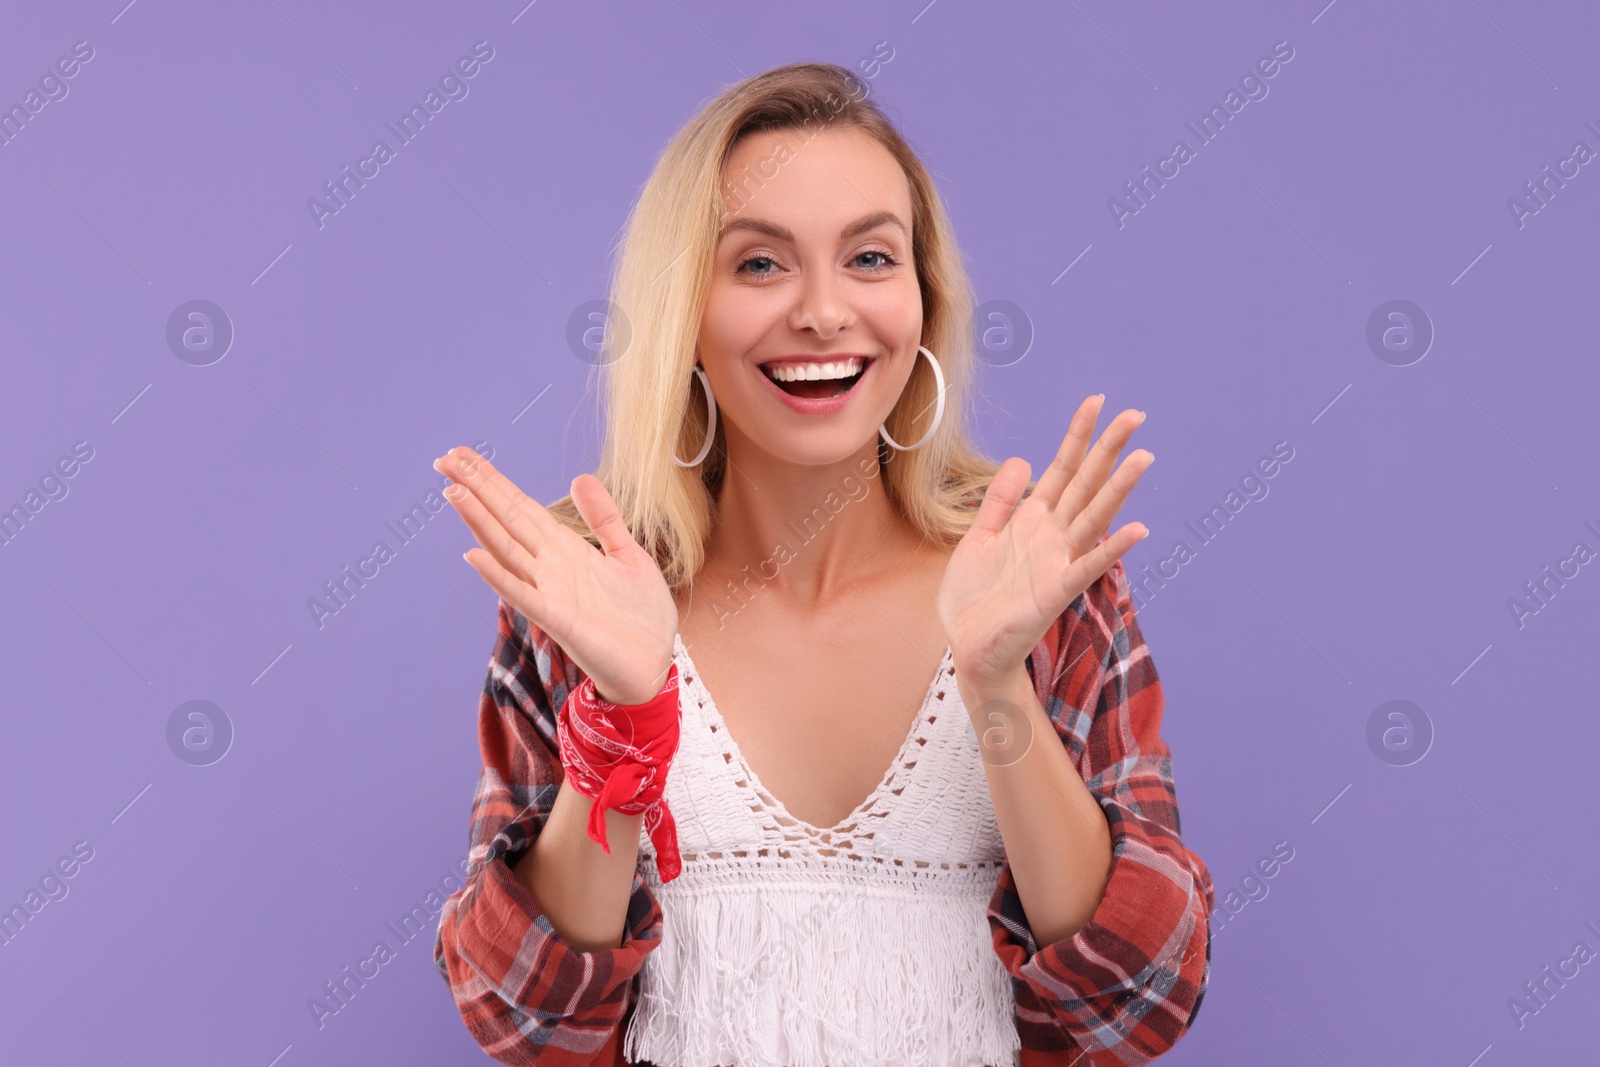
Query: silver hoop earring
{"type": "Point", "coordinates": [938, 409]}
{"type": "Point", "coordinates": [711, 423]}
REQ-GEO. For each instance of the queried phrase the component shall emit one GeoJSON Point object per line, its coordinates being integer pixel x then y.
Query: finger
{"type": "Point", "coordinates": [521, 515]}
{"type": "Point", "coordinates": [1001, 497]}
{"type": "Point", "coordinates": [1070, 454]}
{"type": "Point", "coordinates": [492, 537]}
{"type": "Point", "coordinates": [597, 509]}
{"type": "Point", "coordinates": [1091, 474]}
{"type": "Point", "coordinates": [1089, 567]}
{"type": "Point", "coordinates": [513, 590]}
{"type": "Point", "coordinates": [1096, 516]}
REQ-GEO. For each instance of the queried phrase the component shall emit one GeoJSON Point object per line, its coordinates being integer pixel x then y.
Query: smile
{"type": "Point", "coordinates": [816, 386]}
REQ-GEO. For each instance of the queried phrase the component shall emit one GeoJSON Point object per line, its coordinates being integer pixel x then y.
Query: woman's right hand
{"type": "Point", "coordinates": [610, 611]}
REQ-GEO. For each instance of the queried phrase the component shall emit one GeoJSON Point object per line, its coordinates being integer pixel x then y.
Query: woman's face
{"type": "Point", "coordinates": [813, 267]}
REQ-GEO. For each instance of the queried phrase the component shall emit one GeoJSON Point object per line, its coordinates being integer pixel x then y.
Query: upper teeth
{"type": "Point", "coordinates": [810, 372]}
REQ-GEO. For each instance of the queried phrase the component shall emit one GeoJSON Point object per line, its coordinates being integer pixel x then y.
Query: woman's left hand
{"type": "Point", "coordinates": [1022, 564]}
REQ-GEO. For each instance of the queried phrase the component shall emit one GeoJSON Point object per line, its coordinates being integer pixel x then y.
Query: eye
{"type": "Point", "coordinates": [756, 259]}
{"type": "Point", "coordinates": [888, 260]}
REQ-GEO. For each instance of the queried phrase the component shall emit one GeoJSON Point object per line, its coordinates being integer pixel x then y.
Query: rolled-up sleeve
{"type": "Point", "coordinates": [1126, 986]}
{"type": "Point", "coordinates": [527, 996]}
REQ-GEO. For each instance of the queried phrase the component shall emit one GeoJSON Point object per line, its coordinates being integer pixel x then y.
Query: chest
{"type": "Point", "coordinates": [819, 709]}
{"type": "Point", "coordinates": [928, 805]}
{"type": "Point", "coordinates": [787, 944]}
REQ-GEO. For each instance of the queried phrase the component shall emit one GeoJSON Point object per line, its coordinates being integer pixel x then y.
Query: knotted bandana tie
{"type": "Point", "coordinates": [617, 755]}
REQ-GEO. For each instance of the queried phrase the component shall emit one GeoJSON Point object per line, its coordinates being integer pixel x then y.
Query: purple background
{"type": "Point", "coordinates": [432, 311]}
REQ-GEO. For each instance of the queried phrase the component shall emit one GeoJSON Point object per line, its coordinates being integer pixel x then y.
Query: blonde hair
{"type": "Point", "coordinates": [653, 405]}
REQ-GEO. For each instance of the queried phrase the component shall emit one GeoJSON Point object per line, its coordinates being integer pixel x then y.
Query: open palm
{"type": "Point", "coordinates": [609, 609]}
{"type": "Point", "coordinates": [1023, 563]}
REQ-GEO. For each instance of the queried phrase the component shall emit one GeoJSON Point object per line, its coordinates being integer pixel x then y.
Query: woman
{"type": "Point", "coordinates": [860, 590]}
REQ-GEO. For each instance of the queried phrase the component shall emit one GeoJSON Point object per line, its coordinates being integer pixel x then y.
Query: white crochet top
{"type": "Point", "coordinates": [865, 944]}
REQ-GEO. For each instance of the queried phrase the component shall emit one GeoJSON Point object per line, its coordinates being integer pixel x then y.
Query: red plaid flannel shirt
{"type": "Point", "coordinates": [1119, 992]}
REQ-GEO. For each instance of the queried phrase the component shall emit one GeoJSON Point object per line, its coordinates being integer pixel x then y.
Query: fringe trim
{"type": "Point", "coordinates": [798, 975]}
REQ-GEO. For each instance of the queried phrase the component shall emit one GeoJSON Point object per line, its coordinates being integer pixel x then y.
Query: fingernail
{"type": "Point", "coordinates": [437, 467]}
{"type": "Point", "coordinates": [1142, 416]}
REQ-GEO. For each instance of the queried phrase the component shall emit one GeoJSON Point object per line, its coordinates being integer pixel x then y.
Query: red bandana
{"type": "Point", "coordinates": [617, 755]}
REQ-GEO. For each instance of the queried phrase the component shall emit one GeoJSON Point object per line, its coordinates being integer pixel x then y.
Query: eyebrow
{"type": "Point", "coordinates": [861, 225]}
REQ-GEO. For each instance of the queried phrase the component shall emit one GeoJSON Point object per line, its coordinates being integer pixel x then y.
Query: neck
{"type": "Point", "coordinates": [806, 532]}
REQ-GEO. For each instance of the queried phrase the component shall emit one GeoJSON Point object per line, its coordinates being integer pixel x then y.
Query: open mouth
{"type": "Point", "coordinates": [819, 380]}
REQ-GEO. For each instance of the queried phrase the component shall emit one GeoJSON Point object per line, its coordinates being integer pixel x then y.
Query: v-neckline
{"type": "Point", "coordinates": [767, 798]}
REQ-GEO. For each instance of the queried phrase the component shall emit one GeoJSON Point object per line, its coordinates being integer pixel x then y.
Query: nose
{"type": "Point", "coordinates": [822, 304]}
